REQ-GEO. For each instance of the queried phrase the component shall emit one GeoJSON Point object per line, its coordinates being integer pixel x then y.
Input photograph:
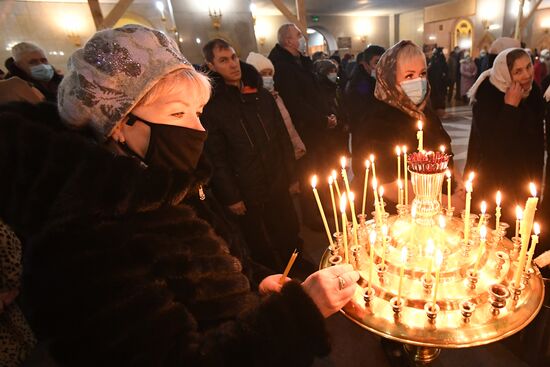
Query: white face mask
{"type": "Point", "coordinates": [269, 84]}
{"type": "Point", "coordinates": [415, 89]}
{"type": "Point", "coordinates": [373, 73]}
{"type": "Point", "coordinates": [302, 44]}
{"type": "Point", "coordinates": [333, 77]}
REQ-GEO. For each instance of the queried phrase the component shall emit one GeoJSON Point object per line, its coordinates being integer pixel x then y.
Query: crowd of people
{"type": "Point", "coordinates": [153, 201]}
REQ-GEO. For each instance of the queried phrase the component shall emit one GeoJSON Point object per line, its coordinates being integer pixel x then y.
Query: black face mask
{"type": "Point", "coordinates": [173, 147]}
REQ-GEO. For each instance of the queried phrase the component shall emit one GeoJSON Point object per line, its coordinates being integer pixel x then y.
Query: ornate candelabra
{"type": "Point", "coordinates": [476, 303]}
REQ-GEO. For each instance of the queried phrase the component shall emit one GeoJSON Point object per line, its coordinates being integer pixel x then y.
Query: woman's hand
{"type": "Point", "coordinates": [513, 95]}
{"type": "Point", "coordinates": [331, 288]}
{"type": "Point", "coordinates": [271, 284]}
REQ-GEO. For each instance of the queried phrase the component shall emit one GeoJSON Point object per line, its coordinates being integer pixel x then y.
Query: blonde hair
{"type": "Point", "coordinates": [409, 52]}
{"type": "Point", "coordinates": [197, 83]}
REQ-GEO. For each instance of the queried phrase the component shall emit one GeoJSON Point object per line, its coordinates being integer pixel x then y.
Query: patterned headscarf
{"type": "Point", "coordinates": [387, 90]}
{"type": "Point", "coordinates": [114, 70]}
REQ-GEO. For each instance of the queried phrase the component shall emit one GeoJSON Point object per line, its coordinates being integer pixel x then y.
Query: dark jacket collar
{"type": "Point", "coordinates": [249, 78]}
{"type": "Point", "coordinates": [279, 53]}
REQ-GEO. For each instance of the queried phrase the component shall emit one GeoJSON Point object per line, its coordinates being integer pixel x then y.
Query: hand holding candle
{"type": "Point", "coordinates": [288, 266]}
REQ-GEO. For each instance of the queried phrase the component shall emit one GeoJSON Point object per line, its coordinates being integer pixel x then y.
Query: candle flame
{"type": "Point", "coordinates": [404, 255]}
{"type": "Point", "coordinates": [330, 180]}
{"type": "Point", "coordinates": [400, 184]}
{"type": "Point", "coordinates": [381, 191]}
{"type": "Point", "coordinates": [372, 238]}
{"type": "Point", "coordinates": [448, 173]}
{"type": "Point", "coordinates": [374, 183]}
{"type": "Point", "coordinates": [533, 189]}
{"type": "Point", "coordinates": [499, 198]}
{"type": "Point", "coordinates": [413, 211]}
{"type": "Point", "coordinates": [483, 233]}
{"type": "Point", "coordinates": [442, 148]}
{"type": "Point", "coordinates": [404, 149]}
{"type": "Point", "coordinates": [351, 196]}
{"type": "Point", "coordinates": [343, 162]}
{"type": "Point", "coordinates": [385, 230]}
{"type": "Point", "coordinates": [536, 228]}
{"type": "Point", "coordinates": [343, 203]}
{"type": "Point", "coordinates": [442, 222]}
{"type": "Point", "coordinates": [419, 125]}
{"type": "Point", "coordinates": [471, 177]}
{"type": "Point", "coordinates": [314, 181]}
{"type": "Point", "coordinates": [367, 163]}
{"type": "Point", "coordinates": [430, 247]}
{"type": "Point", "coordinates": [483, 207]}
{"type": "Point", "coordinates": [371, 157]}
{"type": "Point", "coordinates": [519, 213]}
{"type": "Point", "coordinates": [468, 186]}
{"type": "Point", "coordinates": [334, 175]}
{"type": "Point", "coordinates": [398, 150]}
{"type": "Point", "coordinates": [439, 258]}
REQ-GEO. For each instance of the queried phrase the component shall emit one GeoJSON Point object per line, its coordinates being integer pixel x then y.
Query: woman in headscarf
{"type": "Point", "coordinates": [125, 265]}
{"type": "Point", "coordinates": [402, 95]}
{"type": "Point", "coordinates": [506, 147]}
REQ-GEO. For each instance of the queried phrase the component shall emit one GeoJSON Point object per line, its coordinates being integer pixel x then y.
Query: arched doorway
{"type": "Point", "coordinates": [320, 39]}
{"type": "Point", "coordinates": [463, 35]}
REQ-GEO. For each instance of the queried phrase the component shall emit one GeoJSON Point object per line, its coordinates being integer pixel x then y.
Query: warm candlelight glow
{"type": "Point", "coordinates": [367, 163]}
{"type": "Point", "coordinates": [483, 207]}
{"type": "Point", "coordinates": [499, 198]}
{"type": "Point", "coordinates": [442, 222]}
{"type": "Point", "coordinates": [448, 174]}
{"type": "Point", "coordinates": [314, 181]}
{"type": "Point", "coordinates": [330, 180]}
{"type": "Point", "coordinates": [398, 150]}
{"type": "Point", "coordinates": [371, 158]}
{"type": "Point", "coordinates": [351, 197]}
{"type": "Point", "coordinates": [404, 149]}
{"type": "Point", "coordinates": [403, 256]}
{"type": "Point", "coordinates": [374, 183]}
{"type": "Point", "coordinates": [420, 125]}
{"type": "Point", "coordinates": [439, 258]}
{"type": "Point", "coordinates": [343, 204]}
{"type": "Point", "coordinates": [400, 185]}
{"type": "Point", "coordinates": [430, 247]}
{"type": "Point", "coordinates": [334, 174]}
{"type": "Point", "coordinates": [533, 189]}
{"type": "Point", "coordinates": [519, 213]}
{"type": "Point", "coordinates": [381, 191]}
{"type": "Point", "coordinates": [442, 148]}
{"type": "Point", "coordinates": [343, 162]}
{"type": "Point", "coordinates": [471, 177]}
{"type": "Point", "coordinates": [372, 238]}
{"type": "Point", "coordinates": [385, 230]}
{"type": "Point", "coordinates": [536, 228]}
{"type": "Point", "coordinates": [483, 233]}
{"type": "Point", "coordinates": [468, 186]}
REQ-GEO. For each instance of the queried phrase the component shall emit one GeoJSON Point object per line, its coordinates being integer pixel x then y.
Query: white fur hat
{"type": "Point", "coordinates": [260, 62]}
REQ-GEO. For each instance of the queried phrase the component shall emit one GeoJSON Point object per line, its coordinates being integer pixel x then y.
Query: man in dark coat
{"type": "Point", "coordinates": [253, 158]}
{"type": "Point", "coordinates": [29, 63]}
{"type": "Point", "coordinates": [453, 74]}
{"type": "Point", "coordinates": [296, 83]}
{"type": "Point", "coordinates": [437, 76]}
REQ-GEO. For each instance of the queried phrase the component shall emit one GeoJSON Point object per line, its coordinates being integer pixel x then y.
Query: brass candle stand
{"type": "Point", "coordinates": [475, 305]}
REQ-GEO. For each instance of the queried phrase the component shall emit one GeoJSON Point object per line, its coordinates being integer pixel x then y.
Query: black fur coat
{"type": "Point", "coordinates": [119, 273]}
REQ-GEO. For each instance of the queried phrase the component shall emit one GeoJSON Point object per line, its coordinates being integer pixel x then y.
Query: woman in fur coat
{"type": "Point", "coordinates": [119, 271]}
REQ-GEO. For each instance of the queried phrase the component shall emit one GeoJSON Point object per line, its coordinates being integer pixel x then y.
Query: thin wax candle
{"type": "Point", "coordinates": [321, 211]}
{"type": "Point", "coordinates": [334, 209]}
{"type": "Point", "coordinates": [365, 185]}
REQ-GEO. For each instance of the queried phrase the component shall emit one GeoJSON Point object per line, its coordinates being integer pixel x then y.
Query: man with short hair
{"type": "Point", "coordinates": [29, 62]}
{"type": "Point", "coordinates": [250, 149]}
{"type": "Point", "coordinates": [296, 83]}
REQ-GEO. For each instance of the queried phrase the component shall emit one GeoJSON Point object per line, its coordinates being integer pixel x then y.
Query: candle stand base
{"type": "Point", "coordinates": [421, 356]}
{"type": "Point", "coordinates": [527, 275]}
{"type": "Point", "coordinates": [369, 296]}
{"type": "Point", "coordinates": [381, 270]}
{"type": "Point", "coordinates": [472, 279]}
{"type": "Point", "coordinates": [516, 291]}
{"type": "Point", "coordinates": [467, 309]}
{"type": "Point", "coordinates": [335, 260]}
{"type": "Point", "coordinates": [427, 283]}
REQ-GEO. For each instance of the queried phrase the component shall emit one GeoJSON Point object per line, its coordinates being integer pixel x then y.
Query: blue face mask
{"type": "Point", "coordinates": [302, 45]}
{"type": "Point", "coordinates": [415, 89]}
{"type": "Point", "coordinates": [269, 84]}
{"type": "Point", "coordinates": [42, 72]}
{"type": "Point", "coordinates": [333, 77]}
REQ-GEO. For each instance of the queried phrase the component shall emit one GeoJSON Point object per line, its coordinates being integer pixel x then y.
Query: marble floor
{"type": "Point", "coordinates": [354, 346]}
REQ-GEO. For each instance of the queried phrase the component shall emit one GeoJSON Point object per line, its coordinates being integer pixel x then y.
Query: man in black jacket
{"type": "Point", "coordinates": [296, 83]}
{"type": "Point", "coordinates": [252, 156]}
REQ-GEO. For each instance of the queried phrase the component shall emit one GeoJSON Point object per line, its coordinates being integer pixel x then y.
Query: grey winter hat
{"type": "Point", "coordinates": [114, 70]}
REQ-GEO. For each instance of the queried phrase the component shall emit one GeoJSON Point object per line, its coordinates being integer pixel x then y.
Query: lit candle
{"type": "Point", "coordinates": [498, 210]}
{"type": "Point", "coordinates": [429, 253]}
{"type": "Point", "coordinates": [525, 230]}
{"type": "Point", "coordinates": [482, 241]}
{"type": "Point", "coordinates": [382, 204]}
{"type": "Point", "coordinates": [384, 243]}
{"type": "Point", "coordinates": [406, 183]}
{"type": "Point", "coordinates": [335, 179]}
{"type": "Point", "coordinates": [330, 180]}
{"type": "Point", "coordinates": [402, 271]}
{"type": "Point", "coordinates": [354, 218]}
{"type": "Point", "coordinates": [467, 211]}
{"type": "Point", "coordinates": [400, 192]}
{"type": "Point", "coordinates": [534, 241]}
{"type": "Point", "coordinates": [420, 137]}
{"type": "Point", "coordinates": [343, 201]}
{"type": "Point", "coordinates": [372, 240]}
{"type": "Point", "coordinates": [519, 217]}
{"type": "Point", "coordinates": [398, 152]}
{"type": "Point", "coordinates": [371, 158]}
{"type": "Point", "coordinates": [365, 185]}
{"type": "Point", "coordinates": [482, 214]}
{"type": "Point", "coordinates": [438, 262]}
{"type": "Point", "coordinates": [442, 149]}
{"type": "Point", "coordinates": [448, 173]}
{"type": "Point", "coordinates": [343, 162]}
{"type": "Point", "coordinates": [321, 211]}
